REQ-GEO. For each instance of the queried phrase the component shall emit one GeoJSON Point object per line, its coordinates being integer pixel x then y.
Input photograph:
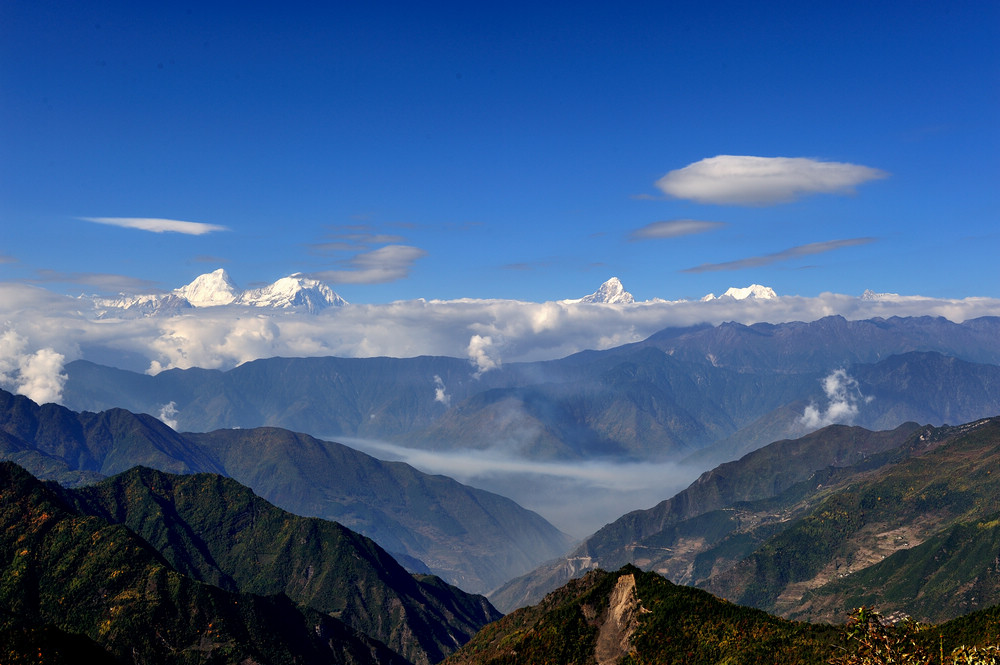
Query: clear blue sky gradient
{"type": "Point", "coordinates": [512, 147]}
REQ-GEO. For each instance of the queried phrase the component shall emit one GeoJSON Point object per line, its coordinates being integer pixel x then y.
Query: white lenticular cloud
{"type": "Point", "coordinates": [156, 225]}
{"type": "Point", "coordinates": [36, 374]}
{"type": "Point", "coordinates": [747, 180]}
{"type": "Point", "coordinates": [440, 394]}
{"type": "Point", "coordinates": [483, 354]}
{"type": "Point", "coordinates": [674, 229]}
{"type": "Point", "coordinates": [843, 396]}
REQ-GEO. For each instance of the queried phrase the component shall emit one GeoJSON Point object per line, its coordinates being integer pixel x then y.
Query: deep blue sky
{"type": "Point", "coordinates": [449, 150]}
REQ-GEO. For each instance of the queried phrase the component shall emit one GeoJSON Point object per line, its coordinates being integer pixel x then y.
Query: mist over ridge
{"type": "Point", "coordinates": [587, 437]}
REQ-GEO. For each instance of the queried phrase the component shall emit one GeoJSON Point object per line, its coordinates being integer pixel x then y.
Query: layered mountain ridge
{"type": "Point", "coordinates": [96, 587]}
{"type": "Point", "coordinates": [470, 537]}
{"type": "Point", "coordinates": [711, 393]}
{"type": "Point", "coordinates": [904, 520]}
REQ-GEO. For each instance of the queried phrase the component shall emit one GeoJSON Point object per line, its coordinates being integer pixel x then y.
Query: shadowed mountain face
{"type": "Point", "coordinates": [470, 537]}
{"type": "Point", "coordinates": [726, 389]}
{"type": "Point", "coordinates": [97, 585]}
{"type": "Point", "coordinates": [905, 520]}
{"type": "Point", "coordinates": [217, 531]}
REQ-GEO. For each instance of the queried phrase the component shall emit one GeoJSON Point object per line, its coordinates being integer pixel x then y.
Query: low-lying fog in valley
{"type": "Point", "coordinates": [577, 497]}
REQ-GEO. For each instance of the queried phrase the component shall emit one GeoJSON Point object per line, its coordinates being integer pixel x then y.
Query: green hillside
{"type": "Point", "coordinates": [432, 524]}
{"type": "Point", "coordinates": [67, 574]}
{"type": "Point", "coordinates": [633, 617]}
{"type": "Point", "coordinates": [723, 515]}
{"type": "Point", "coordinates": [217, 531]}
{"type": "Point", "coordinates": [918, 537]}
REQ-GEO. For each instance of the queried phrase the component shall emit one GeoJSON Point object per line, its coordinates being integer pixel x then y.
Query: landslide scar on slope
{"type": "Point", "coordinates": [614, 638]}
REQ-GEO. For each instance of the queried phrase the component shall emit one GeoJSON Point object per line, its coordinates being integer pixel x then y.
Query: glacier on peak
{"type": "Point", "coordinates": [612, 292]}
{"type": "Point", "coordinates": [216, 289]}
{"type": "Point", "coordinates": [209, 290]}
{"type": "Point", "coordinates": [872, 295]}
{"type": "Point", "coordinates": [752, 292]}
{"type": "Point", "coordinates": [293, 291]}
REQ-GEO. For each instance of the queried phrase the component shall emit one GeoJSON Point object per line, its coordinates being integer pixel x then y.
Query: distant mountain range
{"type": "Point", "coordinates": [752, 292]}
{"type": "Point", "coordinates": [472, 538]}
{"type": "Point", "coordinates": [216, 289]}
{"type": "Point", "coordinates": [706, 393]}
{"type": "Point", "coordinates": [298, 292]}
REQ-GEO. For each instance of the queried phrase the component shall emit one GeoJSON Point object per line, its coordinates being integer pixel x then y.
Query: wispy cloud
{"type": "Point", "coordinates": [385, 264]}
{"type": "Point", "coordinates": [784, 255]}
{"type": "Point", "coordinates": [673, 229]}
{"type": "Point", "coordinates": [156, 225]}
{"type": "Point", "coordinates": [578, 497]}
{"type": "Point", "coordinates": [211, 260]}
{"type": "Point", "coordinates": [104, 282]}
{"type": "Point", "coordinates": [370, 263]}
{"type": "Point", "coordinates": [525, 266]}
{"type": "Point", "coordinates": [7, 259]}
{"type": "Point", "coordinates": [351, 237]}
{"type": "Point", "coordinates": [747, 180]}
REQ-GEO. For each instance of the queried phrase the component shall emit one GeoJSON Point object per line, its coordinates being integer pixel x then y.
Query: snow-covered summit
{"type": "Point", "coordinates": [752, 292]}
{"type": "Point", "coordinates": [209, 290]}
{"type": "Point", "coordinates": [216, 289]}
{"type": "Point", "coordinates": [293, 291]}
{"type": "Point", "coordinates": [871, 295]}
{"type": "Point", "coordinates": [611, 292]}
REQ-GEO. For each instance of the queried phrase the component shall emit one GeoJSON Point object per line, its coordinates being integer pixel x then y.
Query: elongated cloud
{"type": "Point", "coordinates": [783, 255]}
{"type": "Point", "coordinates": [673, 229]}
{"type": "Point", "coordinates": [385, 264]}
{"type": "Point", "coordinates": [106, 283]}
{"type": "Point", "coordinates": [156, 225]}
{"type": "Point", "coordinates": [578, 497]}
{"type": "Point", "coordinates": [223, 337]}
{"type": "Point", "coordinates": [745, 180]}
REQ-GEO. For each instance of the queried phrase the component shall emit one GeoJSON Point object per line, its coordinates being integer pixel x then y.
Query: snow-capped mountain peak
{"type": "Point", "coordinates": [292, 291]}
{"type": "Point", "coordinates": [752, 292]}
{"type": "Point", "coordinates": [872, 295]}
{"type": "Point", "coordinates": [215, 289]}
{"type": "Point", "coordinates": [209, 290]}
{"type": "Point", "coordinates": [611, 292]}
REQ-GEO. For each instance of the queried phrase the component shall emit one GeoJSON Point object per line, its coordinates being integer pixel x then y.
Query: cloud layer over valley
{"type": "Point", "coordinates": [488, 332]}
{"type": "Point", "coordinates": [578, 497]}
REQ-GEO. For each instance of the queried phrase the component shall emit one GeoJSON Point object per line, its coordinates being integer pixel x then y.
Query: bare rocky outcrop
{"type": "Point", "coordinates": [614, 637]}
